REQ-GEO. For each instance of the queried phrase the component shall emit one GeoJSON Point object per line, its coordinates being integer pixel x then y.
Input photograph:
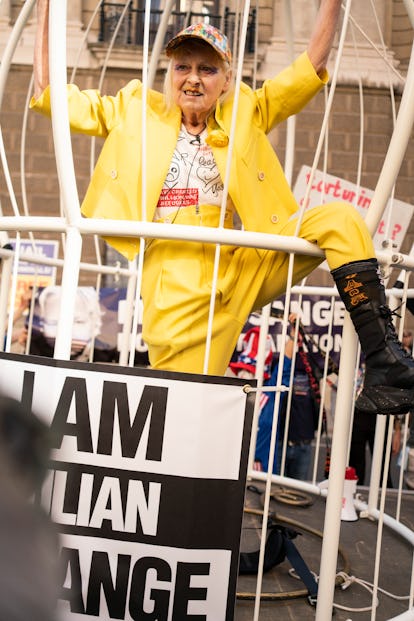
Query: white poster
{"type": "Point", "coordinates": [328, 188]}
{"type": "Point", "coordinates": [146, 483]}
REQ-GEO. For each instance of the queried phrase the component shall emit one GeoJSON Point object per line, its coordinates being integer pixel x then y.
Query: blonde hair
{"type": "Point", "coordinates": [177, 53]}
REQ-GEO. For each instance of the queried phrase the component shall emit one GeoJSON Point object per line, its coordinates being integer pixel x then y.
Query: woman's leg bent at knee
{"type": "Point", "coordinates": [389, 379]}
{"type": "Point", "coordinates": [337, 228]}
{"type": "Point", "coordinates": [340, 231]}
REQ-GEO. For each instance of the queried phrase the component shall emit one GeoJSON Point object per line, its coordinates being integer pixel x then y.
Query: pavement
{"type": "Point", "coordinates": [286, 598]}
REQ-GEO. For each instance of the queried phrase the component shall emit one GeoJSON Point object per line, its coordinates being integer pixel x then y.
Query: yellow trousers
{"type": "Point", "coordinates": [177, 282]}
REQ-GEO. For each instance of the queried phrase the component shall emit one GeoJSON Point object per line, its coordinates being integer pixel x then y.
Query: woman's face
{"type": "Point", "coordinates": [199, 77]}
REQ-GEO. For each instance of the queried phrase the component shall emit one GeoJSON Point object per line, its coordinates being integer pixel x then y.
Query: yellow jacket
{"type": "Point", "coordinates": [257, 186]}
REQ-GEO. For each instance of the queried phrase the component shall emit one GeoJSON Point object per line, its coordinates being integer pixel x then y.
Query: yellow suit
{"type": "Point", "coordinates": [177, 276]}
{"type": "Point", "coordinates": [257, 187]}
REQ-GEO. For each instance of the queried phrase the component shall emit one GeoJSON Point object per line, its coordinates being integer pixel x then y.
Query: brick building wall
{"type": "Point", "coordinates": [344, 135]}
{"type": "Point", "coordinates": [402, 33]}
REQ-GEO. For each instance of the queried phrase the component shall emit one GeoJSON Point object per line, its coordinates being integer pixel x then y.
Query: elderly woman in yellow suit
{"type": "Point", "coordinates": [188, 129]}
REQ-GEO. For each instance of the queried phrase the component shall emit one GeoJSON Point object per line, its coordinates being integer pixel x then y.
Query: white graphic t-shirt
{"type": "Point", "coordinates": [193, 178]}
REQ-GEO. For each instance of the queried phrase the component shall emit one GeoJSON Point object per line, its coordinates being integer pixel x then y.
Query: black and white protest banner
{"type": "Point", "coordinates": [146, 484]}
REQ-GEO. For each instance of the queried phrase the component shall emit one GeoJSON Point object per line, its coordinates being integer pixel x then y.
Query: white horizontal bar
{"type": "Point", "coordinates": [6, 253]}
{"type": "Point", "coordinates": [405, 616]}
{"type": "Point", "coordinates": [389, 521]}
{"type": "Point", "coordinates": [213, 235]}
{"type": "Point", "coordinates": [33, 223]}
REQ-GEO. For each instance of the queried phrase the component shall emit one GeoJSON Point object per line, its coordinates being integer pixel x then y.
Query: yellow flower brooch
{"type": "Point", "coordinates": [217, 138]}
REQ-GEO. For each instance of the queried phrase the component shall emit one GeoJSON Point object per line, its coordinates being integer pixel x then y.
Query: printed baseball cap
{"type": "Point", "coordinates": [207, 33]}
{"type": "Point", "coordinates": [248, 357]}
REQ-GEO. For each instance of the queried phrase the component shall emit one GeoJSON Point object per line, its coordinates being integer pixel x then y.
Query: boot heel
{"type": "Point", "coordinates": [385, 400]}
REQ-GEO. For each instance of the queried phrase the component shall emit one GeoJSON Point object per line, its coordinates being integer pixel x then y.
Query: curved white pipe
{"type": "Point", "coordinates": [409, 7]}
{"type": "Point", "coordinates": [159, 41]}
{"type": "Point", "coordinates": [405, 616]}
{"type": "Point", "coordinates": [5, 64]}
{"type": "Point", "coordinates": [12, 43]}
{"type": "Point", "coordinates": [60, 113]}
{"type": "Point", "coordinates": [395, 153]}
{"type": "Point", "coordinates": [66, 174]}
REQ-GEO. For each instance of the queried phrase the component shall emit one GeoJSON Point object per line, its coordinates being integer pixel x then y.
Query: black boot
{"type": "Point", "coordinates": [389, 374]}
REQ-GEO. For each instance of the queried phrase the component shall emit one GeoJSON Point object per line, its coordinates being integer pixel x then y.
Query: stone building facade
{"type": "Point", "coordinates": [365, 82]}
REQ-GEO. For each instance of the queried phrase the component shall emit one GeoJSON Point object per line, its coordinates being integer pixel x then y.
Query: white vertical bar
{"type": "Point", "coordinates": [380, 528]}
{"type": "Point", "coordinates": [261, 355]}
{"type": "Point", "coordinates": [6, 274]}
{"type": "Point", "coordinates": [377, 454]}
{"type": "Point", "coordinates": [291, 121]}
{"type": "Point", "coordinates": [13, 291]}
{"type": "Point", "coordinates": [12, 43]}
{"type": "Point", "coordinates": [226, 181]}
{"type": "Point", "coordinates": [340, 438]}
{"type": "Point", "coordinates": [60, 113]}
{"type": "Point", "coordinates": [70, 277]}
{"type": "Point", "coordinates": [66, 174]}
{"type": "Point", "coordinates": [128, 316]}
{"type": "Point", "coordinates": [409, 7]}
{"type": "Point", "coordinates": [159, 41]}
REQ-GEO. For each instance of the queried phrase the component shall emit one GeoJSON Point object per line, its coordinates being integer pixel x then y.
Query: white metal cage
{"type": "Point", "coordinates": [73, 228]}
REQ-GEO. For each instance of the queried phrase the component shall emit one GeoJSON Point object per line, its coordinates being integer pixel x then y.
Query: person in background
{"type": "Point", "coordinates": [363, 437]}
{"type": "Point", "coordinates": [24, 303]}
{"type": "Point", "coordinates": [302, 416]}
{"type": "Point", "coordinates": [86, 325]}
{"type": "Point", "coordinates": [245, 365]}
{"type": "Point", "coordinates": [303, 421]}
{"type": "Point", "coordinates": [29, 544]}
{"type": "Point", "coordinates": [192, 121]}
{"type": "Point", "coordinates": [409, 470]}
{"type": "Point", "coordinates": [407, 341]}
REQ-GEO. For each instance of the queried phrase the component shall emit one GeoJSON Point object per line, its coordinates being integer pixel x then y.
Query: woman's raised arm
{"type": "Point", "coordinates": [41, 49]}
{"type": "Point", "coordinates": [322, 37]}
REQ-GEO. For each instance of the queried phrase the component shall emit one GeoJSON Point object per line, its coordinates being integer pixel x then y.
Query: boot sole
{"type": "Point", "coordinates": [386, 400]}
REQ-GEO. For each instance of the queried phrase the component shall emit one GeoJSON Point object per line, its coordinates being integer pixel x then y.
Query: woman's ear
{"type": "Point", "coordinates": [227, 82]}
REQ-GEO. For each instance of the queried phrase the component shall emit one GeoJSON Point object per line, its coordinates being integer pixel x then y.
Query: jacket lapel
{"type": "Point", "coordinates": [162, 134]}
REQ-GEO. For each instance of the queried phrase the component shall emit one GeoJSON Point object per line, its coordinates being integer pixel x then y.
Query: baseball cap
{"type": "Point", "coordinates": [248, 357]}
{"type": "Point", "coordinates": [205, 32]}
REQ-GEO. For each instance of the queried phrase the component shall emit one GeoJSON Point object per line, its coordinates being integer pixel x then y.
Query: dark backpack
{"type": "Point", "coordinates": [279, 546]}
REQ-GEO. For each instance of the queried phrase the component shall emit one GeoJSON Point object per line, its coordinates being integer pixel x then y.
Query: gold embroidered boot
{"type": "Point", "coordinates": [389, 375]}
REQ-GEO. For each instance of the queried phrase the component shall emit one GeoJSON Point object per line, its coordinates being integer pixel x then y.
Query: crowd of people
{"type": "Point", "coordinates": [299, 411]}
